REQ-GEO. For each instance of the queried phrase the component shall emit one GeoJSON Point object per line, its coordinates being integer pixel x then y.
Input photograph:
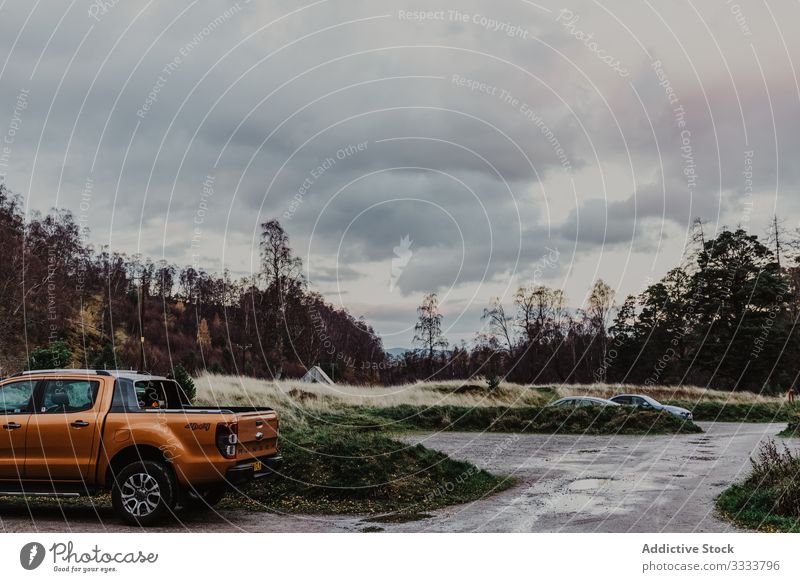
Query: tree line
{"type": "Point", "coordinates": [726, 318]}
{"type": "Point", "coordinates": [64, 303]}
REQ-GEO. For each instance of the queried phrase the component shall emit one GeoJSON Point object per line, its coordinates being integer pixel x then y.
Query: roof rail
{"type": "Point", "coordinates": [62, 371]}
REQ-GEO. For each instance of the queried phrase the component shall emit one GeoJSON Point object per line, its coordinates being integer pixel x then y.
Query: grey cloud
{"type": "Point", "coordinates": [578, 104]}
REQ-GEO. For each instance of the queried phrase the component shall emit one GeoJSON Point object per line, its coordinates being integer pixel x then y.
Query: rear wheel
{"type": "Point", "coordinates": [144, 493]}
{"type": "Point", "coordinates": [204, 499]}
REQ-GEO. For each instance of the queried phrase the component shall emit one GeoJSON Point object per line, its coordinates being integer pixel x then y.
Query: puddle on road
{"type": "Point", "coordinates": [591, 484]}
{"type": "Point", "coordinates": [583, 504]}
{"type": "Point", "coordinates": [397, 518]}
{"type": "Point", "coordinates": [604, 496]}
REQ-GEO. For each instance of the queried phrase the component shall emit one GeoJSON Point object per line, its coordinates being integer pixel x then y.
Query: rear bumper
{"type": "Point", "coordinates": [244, 472]}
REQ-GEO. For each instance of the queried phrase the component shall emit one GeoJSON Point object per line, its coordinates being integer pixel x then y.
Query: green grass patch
{"type": "Point", "coordinates": [522, 419]}
{"type": "Point", "coordinates": [792, 429]}
{"type": "Point", "coordinates": [737, 412]}
{"type": "Point", "coordinates": [769, 499]}
{"type": "Point", "coordinates": [336, 470]}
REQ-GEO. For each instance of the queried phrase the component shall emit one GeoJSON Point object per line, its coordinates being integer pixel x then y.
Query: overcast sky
{"type": "Point", "coordinates": [466, 148]}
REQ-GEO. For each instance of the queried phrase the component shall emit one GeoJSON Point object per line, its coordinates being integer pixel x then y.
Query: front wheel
{"type": "Point", "coordinates": [144, 493]}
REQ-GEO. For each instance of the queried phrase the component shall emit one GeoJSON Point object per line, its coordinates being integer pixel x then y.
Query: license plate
{"type": "Point", "coordinates": [257, 466]}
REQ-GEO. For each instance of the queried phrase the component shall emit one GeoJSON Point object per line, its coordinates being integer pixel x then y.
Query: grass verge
{"type": "Point", "coordinates": [792, 429]}
{"type": "Point", "coordinates": [737, 411]}
{"type": "Point", "coordinates": [769, 499]}
{"type": "Point", "coordinates": [334, 470]}
{"type": "Point", "coordinates": [589, 420]}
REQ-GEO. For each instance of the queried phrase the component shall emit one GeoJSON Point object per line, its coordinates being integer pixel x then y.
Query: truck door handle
{"type": "Point", "coordinates": [79, 423]}
{"type": "Point", "coordinates": [12, 426]}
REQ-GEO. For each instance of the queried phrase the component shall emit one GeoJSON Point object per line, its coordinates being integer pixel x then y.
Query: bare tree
{"type": "Point", "coordinates": [601, 304]}
{"type": "Point", "coordinates": [279, 266]}
{"type": "Point", "coordinates": [776, 238]}
{"type": "Point", "coordinates": [499, 323]}
{"type": "Point", "coordinates": [541, 310]}
{"type": "Point", "coordinates": [598, 311]}
{"type": "Point", "coordinates": [428, 330]}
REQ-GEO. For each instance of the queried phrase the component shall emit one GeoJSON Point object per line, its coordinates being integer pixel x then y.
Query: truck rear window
{"type": "Point", "coordinates": [159, 394]}
{"type": "Point", "coordinates": [131, 395]}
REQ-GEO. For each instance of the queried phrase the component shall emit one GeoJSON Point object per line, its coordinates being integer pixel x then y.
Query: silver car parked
{"type": "Point", "coordinates": [648, 403]}
{"type": "Point", "coordinates": [575, 401]}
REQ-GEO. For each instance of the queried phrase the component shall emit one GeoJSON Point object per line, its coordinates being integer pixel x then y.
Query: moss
{"type": "Point", "coordinates": [334, 470]}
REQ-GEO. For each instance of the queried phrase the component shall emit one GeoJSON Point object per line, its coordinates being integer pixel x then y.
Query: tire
{"type": "Point", "coordinates": [205, 499]}
{"type": "Point", "coordinates": [145, 493]}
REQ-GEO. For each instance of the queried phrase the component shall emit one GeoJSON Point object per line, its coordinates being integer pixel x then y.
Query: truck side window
{"type": "Point", "coordinates": [16, 397]}
{"type": "Point", "coordinates": [68, 396]}
{"type": "Point", "coordinates": [150, 394]}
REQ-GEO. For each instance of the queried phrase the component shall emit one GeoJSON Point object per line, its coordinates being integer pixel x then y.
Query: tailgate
{"type": "Point", "coordinates": [258, 434]}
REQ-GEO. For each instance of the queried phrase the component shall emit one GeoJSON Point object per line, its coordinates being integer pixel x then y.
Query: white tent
{"type": "Point", "coordinates": [317, 375]}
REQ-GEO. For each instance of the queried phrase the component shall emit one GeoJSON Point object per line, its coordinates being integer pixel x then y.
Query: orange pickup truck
{"type": "Point", "coordinates": [81, 432]}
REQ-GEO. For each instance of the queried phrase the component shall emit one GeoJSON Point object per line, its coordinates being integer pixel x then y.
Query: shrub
{"type": "Point", "coordinates": [106, 359]}
{"type": "Point", "coordinates": [770, 496]}
{"type": "Point", "coordinates": [55, 355]}
{"type": "Point", "coordinates": [185, 381]}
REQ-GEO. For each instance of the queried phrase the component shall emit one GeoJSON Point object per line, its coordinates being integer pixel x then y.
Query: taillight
{"type": "Point", "coordinates": [227, 438]}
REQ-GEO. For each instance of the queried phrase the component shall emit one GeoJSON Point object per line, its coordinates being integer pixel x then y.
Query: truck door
{"type": "Point", "coordinates": [16, 402]}
{"type": "Point", "coordinates": [61, 437]}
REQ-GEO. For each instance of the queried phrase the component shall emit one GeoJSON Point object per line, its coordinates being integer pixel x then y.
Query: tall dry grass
{"type": "Point", "coordinates": [291, 396]}
{"type": "Point", "coordinates": [693, 393]}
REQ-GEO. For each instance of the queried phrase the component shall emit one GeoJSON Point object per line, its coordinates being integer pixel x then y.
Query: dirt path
{"type": "Point", "coordinates": [567, 483]}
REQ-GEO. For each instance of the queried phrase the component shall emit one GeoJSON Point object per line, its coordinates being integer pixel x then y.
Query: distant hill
{"type": "Point", "coordinates": [397, 352]}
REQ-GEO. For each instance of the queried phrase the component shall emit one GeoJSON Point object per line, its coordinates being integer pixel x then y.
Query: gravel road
{"type": "Point", "coordinates": [566, 484]}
